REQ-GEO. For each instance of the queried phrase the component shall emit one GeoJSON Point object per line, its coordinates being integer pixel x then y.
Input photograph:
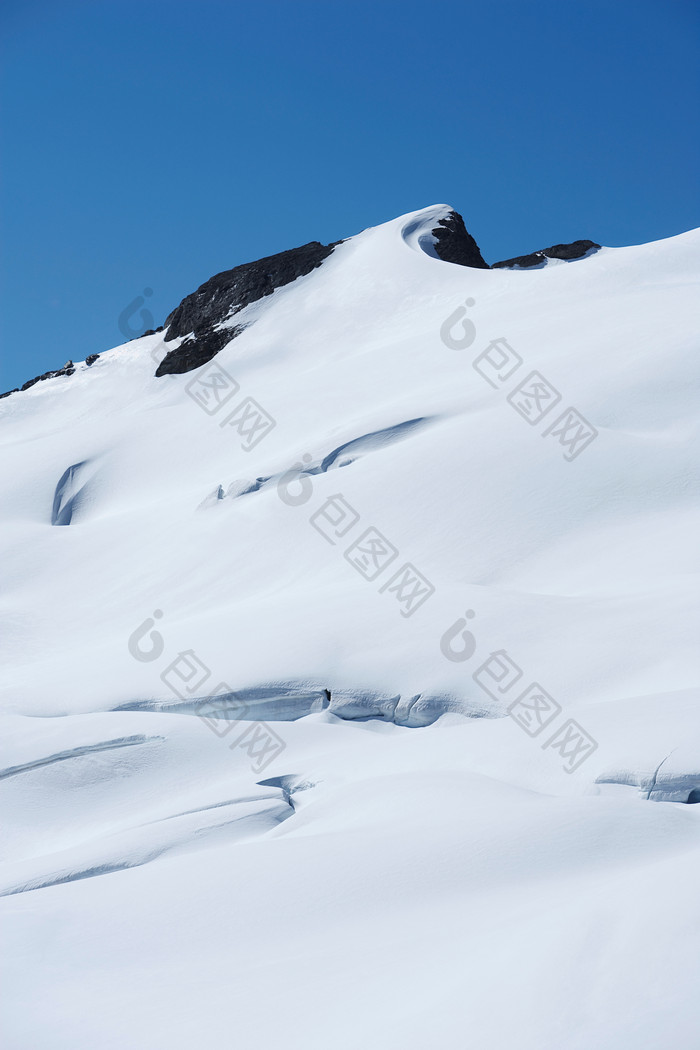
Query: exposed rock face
{"type": "Point", "coordinates": [196, 351]}
{"type": "Point", "coordinates": [575, 250]}
{"type": "Point", "coordinates": [455, 244]}
{"type": "Point", "coordinates": [226, 294]}
{"type": "Point", "coordinates": [67, 370]}
{"type": "Point", "coordinates": [200, 316]}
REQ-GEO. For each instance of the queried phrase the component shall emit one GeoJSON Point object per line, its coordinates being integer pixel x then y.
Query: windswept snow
{"type": "Point", "coordinates": [256, 794]}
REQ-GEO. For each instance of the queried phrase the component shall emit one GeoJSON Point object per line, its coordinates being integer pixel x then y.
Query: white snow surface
{"type": "Point", "coordinates": [421, 870]}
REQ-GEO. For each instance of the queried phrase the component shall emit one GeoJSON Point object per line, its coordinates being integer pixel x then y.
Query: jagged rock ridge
{"type": "Point", "coordinates": [200, 319]}
{"type": "Point", "coordinates": [453, 243]}
{"type": "Point", "coordinates": [226, 294]}
{"type": "Point", "coordinates": [575, 250]}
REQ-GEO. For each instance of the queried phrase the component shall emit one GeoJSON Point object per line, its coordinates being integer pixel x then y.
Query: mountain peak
{"type": "Point", "coordinates": [201, 316]}
{"type": "Point", "coordinates": [453, 242]}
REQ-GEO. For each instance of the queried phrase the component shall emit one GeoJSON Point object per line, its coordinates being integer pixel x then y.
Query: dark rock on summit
{"type": "Point", "coordinates": [197, 351]}
{"type": "Point", "coordinates": [199, 318]}
{"type": "Point", "coordinates": [575, 250]}
{"type": "Point", "coordinates": [523, 261]}
{"type": "Point", "coordinates": [67, 370]}
{"type": "Point", "coordinates": [223, 296]}
{"type": "Point", "coordinates": [455, 244]}
{"type": "Point", "coordinates": [228, 292]}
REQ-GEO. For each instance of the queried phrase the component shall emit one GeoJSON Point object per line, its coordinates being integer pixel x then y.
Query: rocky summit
{"type": "Point", "coordinates": [203, 317]}
{"type": "Point", "coordinates": [204, 321]}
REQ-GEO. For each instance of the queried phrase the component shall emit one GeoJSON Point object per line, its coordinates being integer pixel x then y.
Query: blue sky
{"type": "Point", "coordinates": [153, 144]}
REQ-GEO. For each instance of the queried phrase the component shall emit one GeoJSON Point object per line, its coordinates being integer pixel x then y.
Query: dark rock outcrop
{"type": "Point", "coordinates": [196, 351]}
{"type": "Point", "coordinates": [454, 244]}
{"type": "Point", "coordinates": [200, 316]}
{"type": "Point", "coordinates": [575, 250]}
{"type": "Point", "coordinates": [226, 294]}
{"type": "Point", "coordinates": [67, 370]}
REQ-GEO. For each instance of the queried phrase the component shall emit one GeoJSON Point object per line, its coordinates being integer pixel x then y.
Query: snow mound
{"type": "Point", "coordinates": [364, 661]}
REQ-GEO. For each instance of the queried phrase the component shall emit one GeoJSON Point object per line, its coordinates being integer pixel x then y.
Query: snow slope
{"type": "Point", "coordinates": [360, 841]}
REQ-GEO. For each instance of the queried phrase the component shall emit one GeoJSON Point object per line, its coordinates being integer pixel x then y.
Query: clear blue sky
{"type": "Point", "coordinates": [154, 144]}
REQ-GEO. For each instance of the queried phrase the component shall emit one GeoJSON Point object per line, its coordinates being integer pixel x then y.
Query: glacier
{"type": "Point", "coordinates": [350, 678]}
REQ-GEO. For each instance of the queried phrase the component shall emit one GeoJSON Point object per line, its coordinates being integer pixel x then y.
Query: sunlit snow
{"type": "Point", "coordinates": [374, 724]}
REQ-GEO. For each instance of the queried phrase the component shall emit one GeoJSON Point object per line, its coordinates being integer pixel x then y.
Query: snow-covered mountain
{"type": "Point", "coordinates": [350, 689]}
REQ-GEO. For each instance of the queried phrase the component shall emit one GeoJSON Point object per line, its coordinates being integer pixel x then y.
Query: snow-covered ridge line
{"type": "Point", "coordinates": [435, 670]}
{"type": "Point", "coordinates": [202, 322]}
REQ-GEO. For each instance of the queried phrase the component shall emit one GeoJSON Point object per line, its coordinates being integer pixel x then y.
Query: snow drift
{"type": "Point", "coordinates": [353, 670]}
